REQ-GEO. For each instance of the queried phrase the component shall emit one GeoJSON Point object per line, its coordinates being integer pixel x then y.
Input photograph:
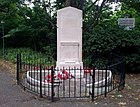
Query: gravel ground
{"type": "Point", "coordinates": [12, 95]}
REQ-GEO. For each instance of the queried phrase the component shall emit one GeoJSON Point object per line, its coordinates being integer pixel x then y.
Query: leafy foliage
{"type": "Point", "coordinates": [35, 28]}
{"type": "Point", "coordinates": [103, 41]}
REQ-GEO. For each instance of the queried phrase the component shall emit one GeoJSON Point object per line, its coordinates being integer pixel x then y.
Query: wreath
{"type": "Point", "coordinates": [48, 78]}
{"type": "Point", "coordinates": [63, 75]}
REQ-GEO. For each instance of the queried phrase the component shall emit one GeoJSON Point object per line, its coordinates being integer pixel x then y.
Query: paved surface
{"type": "Point", "coordinates": [12, 95]}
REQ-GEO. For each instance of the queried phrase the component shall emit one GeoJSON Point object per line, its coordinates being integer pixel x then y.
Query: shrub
{"type": "Point", "coordinates": [28, 55]}
{"type": "Point", "coordinates": [105, 40]}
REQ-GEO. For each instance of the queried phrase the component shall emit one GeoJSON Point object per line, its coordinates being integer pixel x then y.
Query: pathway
{"type": "Point", "coordinates": [12, 95]}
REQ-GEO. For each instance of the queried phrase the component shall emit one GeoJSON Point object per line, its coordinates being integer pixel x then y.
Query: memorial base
{"type": "Point", "coordinates": [75, 68]}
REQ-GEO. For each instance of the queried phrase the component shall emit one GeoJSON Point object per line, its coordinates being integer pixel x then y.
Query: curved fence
{"type": "Point", "coordinates": [56, 83]}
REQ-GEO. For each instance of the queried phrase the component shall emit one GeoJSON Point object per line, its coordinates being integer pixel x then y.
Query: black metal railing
{"type": "Point", "coordinates": [82, 82]}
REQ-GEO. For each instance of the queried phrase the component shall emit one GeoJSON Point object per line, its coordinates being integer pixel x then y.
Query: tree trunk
{"type": "Point", "coordinates": [68, 3]}
{"type": "Point", "coordinates": [75, 3]}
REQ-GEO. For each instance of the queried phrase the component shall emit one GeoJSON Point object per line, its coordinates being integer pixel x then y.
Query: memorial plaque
{"type": "Point", "coordinates": [69, 53]}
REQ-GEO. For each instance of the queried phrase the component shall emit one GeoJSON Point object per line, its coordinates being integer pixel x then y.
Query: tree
{"type": "Point", "coordinates": [9, 14]}
{"type": "Point", "coordinates": [35, 27]}
{"type": "Point", "coordinates": [75, 3]}
{"type": "Point", "coordinates": [132, 4]}
{"type": "Point", "coordinates": [106, 37]}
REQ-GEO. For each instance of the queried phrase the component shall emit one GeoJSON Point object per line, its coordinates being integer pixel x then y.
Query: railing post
{"type": "Point", "coordinates": [17, 74]}
{"type": "Point", "coordinates": [20, 62]}
{"type": "Point", "coordinates": [18, 67]}
{"type": "Point", "coordinates": [122, 77]}
{"type": "Point", "coordinates": [52, 85]}
{"type": "Point", "coordinates": [41, 81]}
{"type": "Point", "coordinates": [93, 84]}
{"type": "Point", "coordinates": [106, 81]}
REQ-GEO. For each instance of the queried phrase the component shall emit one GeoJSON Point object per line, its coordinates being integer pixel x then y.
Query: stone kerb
{"type": "Point", "coordinates": [69, 38]}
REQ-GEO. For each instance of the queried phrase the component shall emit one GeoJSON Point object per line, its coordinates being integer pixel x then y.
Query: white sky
{"type": "Point", "coordinates": [113, 5]}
